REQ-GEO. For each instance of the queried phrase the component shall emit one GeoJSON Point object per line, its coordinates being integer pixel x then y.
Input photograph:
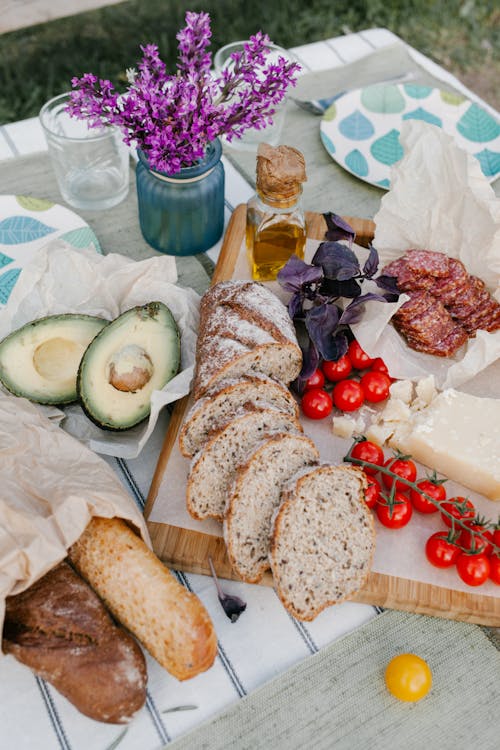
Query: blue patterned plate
{"type": "Point", "coordinates": [361, 129]}
{"type": "Point", "coordinates": [26, 224]}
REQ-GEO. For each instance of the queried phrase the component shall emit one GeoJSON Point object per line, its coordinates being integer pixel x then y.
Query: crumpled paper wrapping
{"type": "Point", "coordinates": [52, 486]}
{"type": "Point", "coordinates": [439, 200]}
{"type": "Point", "coordinates": [62, 279]}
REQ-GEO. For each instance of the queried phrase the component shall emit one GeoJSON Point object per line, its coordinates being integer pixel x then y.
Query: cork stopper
{"type": "Point", "coordinates": [280, 171]}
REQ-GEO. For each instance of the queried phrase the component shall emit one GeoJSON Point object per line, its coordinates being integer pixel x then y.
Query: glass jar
{"type": "Point", "coordinates": [182, 214]}
{"type": "Point", "coordinates": [275, 230]}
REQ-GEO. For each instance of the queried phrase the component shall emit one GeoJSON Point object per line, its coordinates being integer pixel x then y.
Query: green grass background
{"type": "Point", "coordinates": [39, 62]}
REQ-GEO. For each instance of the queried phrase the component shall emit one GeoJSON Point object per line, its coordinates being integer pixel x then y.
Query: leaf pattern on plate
{"type": "Point", "coordinates": [356, 127]}
{"type": "Point", "coordinates": [356, 162]}
{"type": "Point", "coordinates": [417, 92]}
{"type": "Point", "coordinates": [328, 143]}
{"type": "Point", "coordinates": [423, 114]}
{"type": "Point", "coordinates": [451, 98]}
{"type": "Point", "coordinates": [383, 99]}
{"type": "Point", "coordinates": [17, 229]}
{"type": "Point", "coordinates": [81, 237]}
{"type": "Point", "coordinates": [7, 281]}
{"type": "Point", "coordinates": [477, 125]}
{"type": "Point", "coordinates": [5, 260]}
{"type": "Point", "coordinates": [34, 204]}
{"type": "Point", "coordinates": [387, 149]}
{"type": "Point", "coordinates": [489, 161]}
{"type": "Point", "coordinates": [331, 113]}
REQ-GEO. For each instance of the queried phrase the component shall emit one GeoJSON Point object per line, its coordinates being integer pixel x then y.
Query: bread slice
{"type": "Point", "coordinates": [220, 404]}
{"type": "Point", "coordinates": [244, 329]}
{"type": "Point", "coordinates": [213, 469]}
{"type": "Point", "coordinates": [323, 539]}
{"type": "Point", "coordinates": [255, 497]}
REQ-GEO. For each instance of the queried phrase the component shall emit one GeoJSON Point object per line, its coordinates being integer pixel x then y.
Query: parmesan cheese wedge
{"type": "Point", "coordinates": [458, 435]}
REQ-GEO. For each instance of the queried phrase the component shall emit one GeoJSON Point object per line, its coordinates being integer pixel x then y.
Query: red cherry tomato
{"type": "Point", "coordinates": [496, 536]}
{"type": "Point", "coordinates": [404, 468]}
{"type": "Point", "coordinates": [495, 569]}
{"type": "Point", "coordinates": [397, 514]}
{"type": "Point", "coordinates": [348, 395]}
{"type": "Point", "coordinates": [473, 542]}
{"type": "Point", "coordinates": [375, 386]}
{"type": "Point", "coordinates": [359, 358]}
{"type": "Point", "coordinates": [372, 492]}
{"type": "Point", "coordinates": [440, 551]}
{"type": "Point", "coordinates": [422, 503]}
{"type": "Point", "coordinates": [365, 450]}
{"type": "Point", "coordinates": [378, 365]}
{"type": "Point", "coordinates": [338, 369]}
{"type": "Point", "coordinates": [474, 570]}
{"type": "Point", "coordinates": [460, 508]}
{"type": "Point", "coordinates": [316, 403]}
{"type": "Point", "coordinates": [317, 380]}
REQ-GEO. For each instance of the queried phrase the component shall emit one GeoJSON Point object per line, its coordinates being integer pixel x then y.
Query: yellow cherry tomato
{"type": "Point", "coordinates": [408, 677]}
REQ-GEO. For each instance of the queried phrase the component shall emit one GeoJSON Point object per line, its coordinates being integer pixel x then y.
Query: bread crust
{"type": "Point", "coordinates": [169, 621]}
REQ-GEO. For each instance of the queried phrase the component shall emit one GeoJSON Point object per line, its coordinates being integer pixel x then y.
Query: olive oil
{"type": "Point", "coordinates": [276, 227]}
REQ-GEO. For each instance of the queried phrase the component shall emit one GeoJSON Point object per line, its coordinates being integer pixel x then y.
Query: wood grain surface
{"type": "Point", "coordinates": [187, 550]}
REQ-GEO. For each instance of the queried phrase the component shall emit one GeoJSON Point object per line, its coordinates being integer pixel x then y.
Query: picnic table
{"type": "Point", "coordinates": [276, 682]}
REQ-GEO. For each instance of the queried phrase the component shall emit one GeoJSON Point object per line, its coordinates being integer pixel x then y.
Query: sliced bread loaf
{"type": "Point", "coordinates": [255, 497]}
{"type": "Point", "coordinates": [323, 539]}
{"type": "Point", "coordinates": [220, 404]}
{"type": "Point", "coordinates": [213, 469]}
{"type": "Point", "coordinates": [244, 329]}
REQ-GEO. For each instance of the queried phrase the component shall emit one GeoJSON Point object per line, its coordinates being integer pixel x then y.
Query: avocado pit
{"type": "Point", "coordinates": [130, 369]}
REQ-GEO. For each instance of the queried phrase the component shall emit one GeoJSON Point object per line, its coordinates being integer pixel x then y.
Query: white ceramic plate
{"type": "Point", "coordinates": [26, 224]}
{"type": "Point", "coordinates": [361, 129]}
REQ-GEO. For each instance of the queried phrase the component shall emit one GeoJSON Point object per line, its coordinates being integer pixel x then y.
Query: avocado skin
{"type": "Point", "coordinates": [151, 310]}
{"type": "Point", "coordinates": [47, 319]}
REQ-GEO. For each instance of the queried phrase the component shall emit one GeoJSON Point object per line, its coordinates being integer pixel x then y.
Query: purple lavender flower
{"type": "Point", "coordinates": [173, 118]}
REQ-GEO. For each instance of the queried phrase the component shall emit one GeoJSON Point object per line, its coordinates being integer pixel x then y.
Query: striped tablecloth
{"type": "Point", "coordinates": [265, 642]}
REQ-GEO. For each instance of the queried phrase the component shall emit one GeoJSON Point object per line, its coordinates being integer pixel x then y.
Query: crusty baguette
{"type": "Point", "coordinates": [323, 539]}
{"type": "Point", "coordinates": [61, 630]}
{"type": "Point", "coordinates": [170, 622]}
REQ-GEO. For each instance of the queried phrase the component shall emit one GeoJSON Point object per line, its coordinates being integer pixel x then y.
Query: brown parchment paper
{"type": "Point", "coordinates": [50, 487]}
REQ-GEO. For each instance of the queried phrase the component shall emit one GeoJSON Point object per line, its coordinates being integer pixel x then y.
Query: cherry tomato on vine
{"type": "Point", "coordinates": [365, 450]}
{"type": "Point", "coordinates": [495, 569]}
{"type": "Point", "coordinates": [440, 551]}
{"type": "Point", "coordinates": [316, 380]}
{"type": "Point", "coordinates": [378, 365]}
{"type": "Point", "coordinates": [474, 570]}
{"type": "Point", "coordinates": [316, 403]}
{"type": "Point", "coordinates": [496, 535]}
{"type": "Point", "coordinates": [408, 677]}
{"type": "Point", "coordinates": [338, 369]}
{"type": "Point", "coordinates": [404, 468]}
{"type": "Point", "coordinates": [359, 358]}
{"type": "Point", "coordinates": [472, 541]}
{"type": "Point", "coordinates": [397, 514]}
{"type": "Point", "coordinates": [460, 508]}
{"type": "Point", "coordinates": [348, 395]}
{"type": "Point", "coordinates": [422, 503]}
{"type": "Point", "coordinates": [375, 386]}
{"type": "Point", "coordinates": [372, 492]}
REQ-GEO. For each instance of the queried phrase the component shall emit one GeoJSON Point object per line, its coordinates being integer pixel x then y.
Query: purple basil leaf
{"type": "Point", "coordinates": [354, 309]}
{"type": "Point", "coordinates": [295, 273]}
{"type": "Point", "coordinates": [295, 305]}
{"type": "Point", "coordinates": [389, 283]}
{"type": "Point", "coordinates": [310, 361]}
{"type": "Point", "coordinates": [337, 261]}
{"type": "Point", "coordinates": [332, 288]}
{"type": "Point", "coordinates": [339, 345]}
{"type": "Point", "coordinates": [371, 264]}
{"type": "Point", "coordinates": [321, 323]}
{"type": "Point", "coordinates": [338, 229]}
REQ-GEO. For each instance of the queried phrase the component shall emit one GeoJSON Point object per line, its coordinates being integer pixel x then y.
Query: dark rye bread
{"type": "Point", "coordinates": [213, 469]}
{"type": "Point", "coordinates": [244, 328]}
{"type": "Point", "coordinates": [323, 539]}
{"type": "Point", "coordinates": [255, 497]}
{"type": "Point", "coordinates": [61, 630]}
{"type": "Point", "coordinates": [221, 403]}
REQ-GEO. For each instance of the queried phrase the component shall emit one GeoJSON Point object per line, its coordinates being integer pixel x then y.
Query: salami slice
{"type": "Point", "coordinates": [427, 263]}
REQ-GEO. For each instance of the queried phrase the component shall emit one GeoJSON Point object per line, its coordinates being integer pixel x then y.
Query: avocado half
{"type": "Point", "coordinates": [136, 354]}
{"type": "Point", "coordinates": [40, 360]}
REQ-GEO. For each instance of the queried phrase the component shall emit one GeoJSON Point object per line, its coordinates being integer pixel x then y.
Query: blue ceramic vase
{"type": "Point", "coordinates": [182, 214]}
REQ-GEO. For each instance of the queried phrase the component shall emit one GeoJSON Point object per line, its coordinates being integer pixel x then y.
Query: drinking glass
{"type": "Point", "coordinates": [91, 164]}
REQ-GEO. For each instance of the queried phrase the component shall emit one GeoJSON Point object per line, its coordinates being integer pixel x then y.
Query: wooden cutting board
{"type": "Point", "coordinates": [187, 550]}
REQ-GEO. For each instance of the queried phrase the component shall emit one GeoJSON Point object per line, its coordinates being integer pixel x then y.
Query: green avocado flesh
{"type": "Point", "coordinates": [40, 360]}
{"type": "Point", "coordinates": [133, 356]}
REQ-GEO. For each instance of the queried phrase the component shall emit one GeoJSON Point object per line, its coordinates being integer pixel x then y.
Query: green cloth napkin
{"type": "Point", "coordinates": [337, 698]}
